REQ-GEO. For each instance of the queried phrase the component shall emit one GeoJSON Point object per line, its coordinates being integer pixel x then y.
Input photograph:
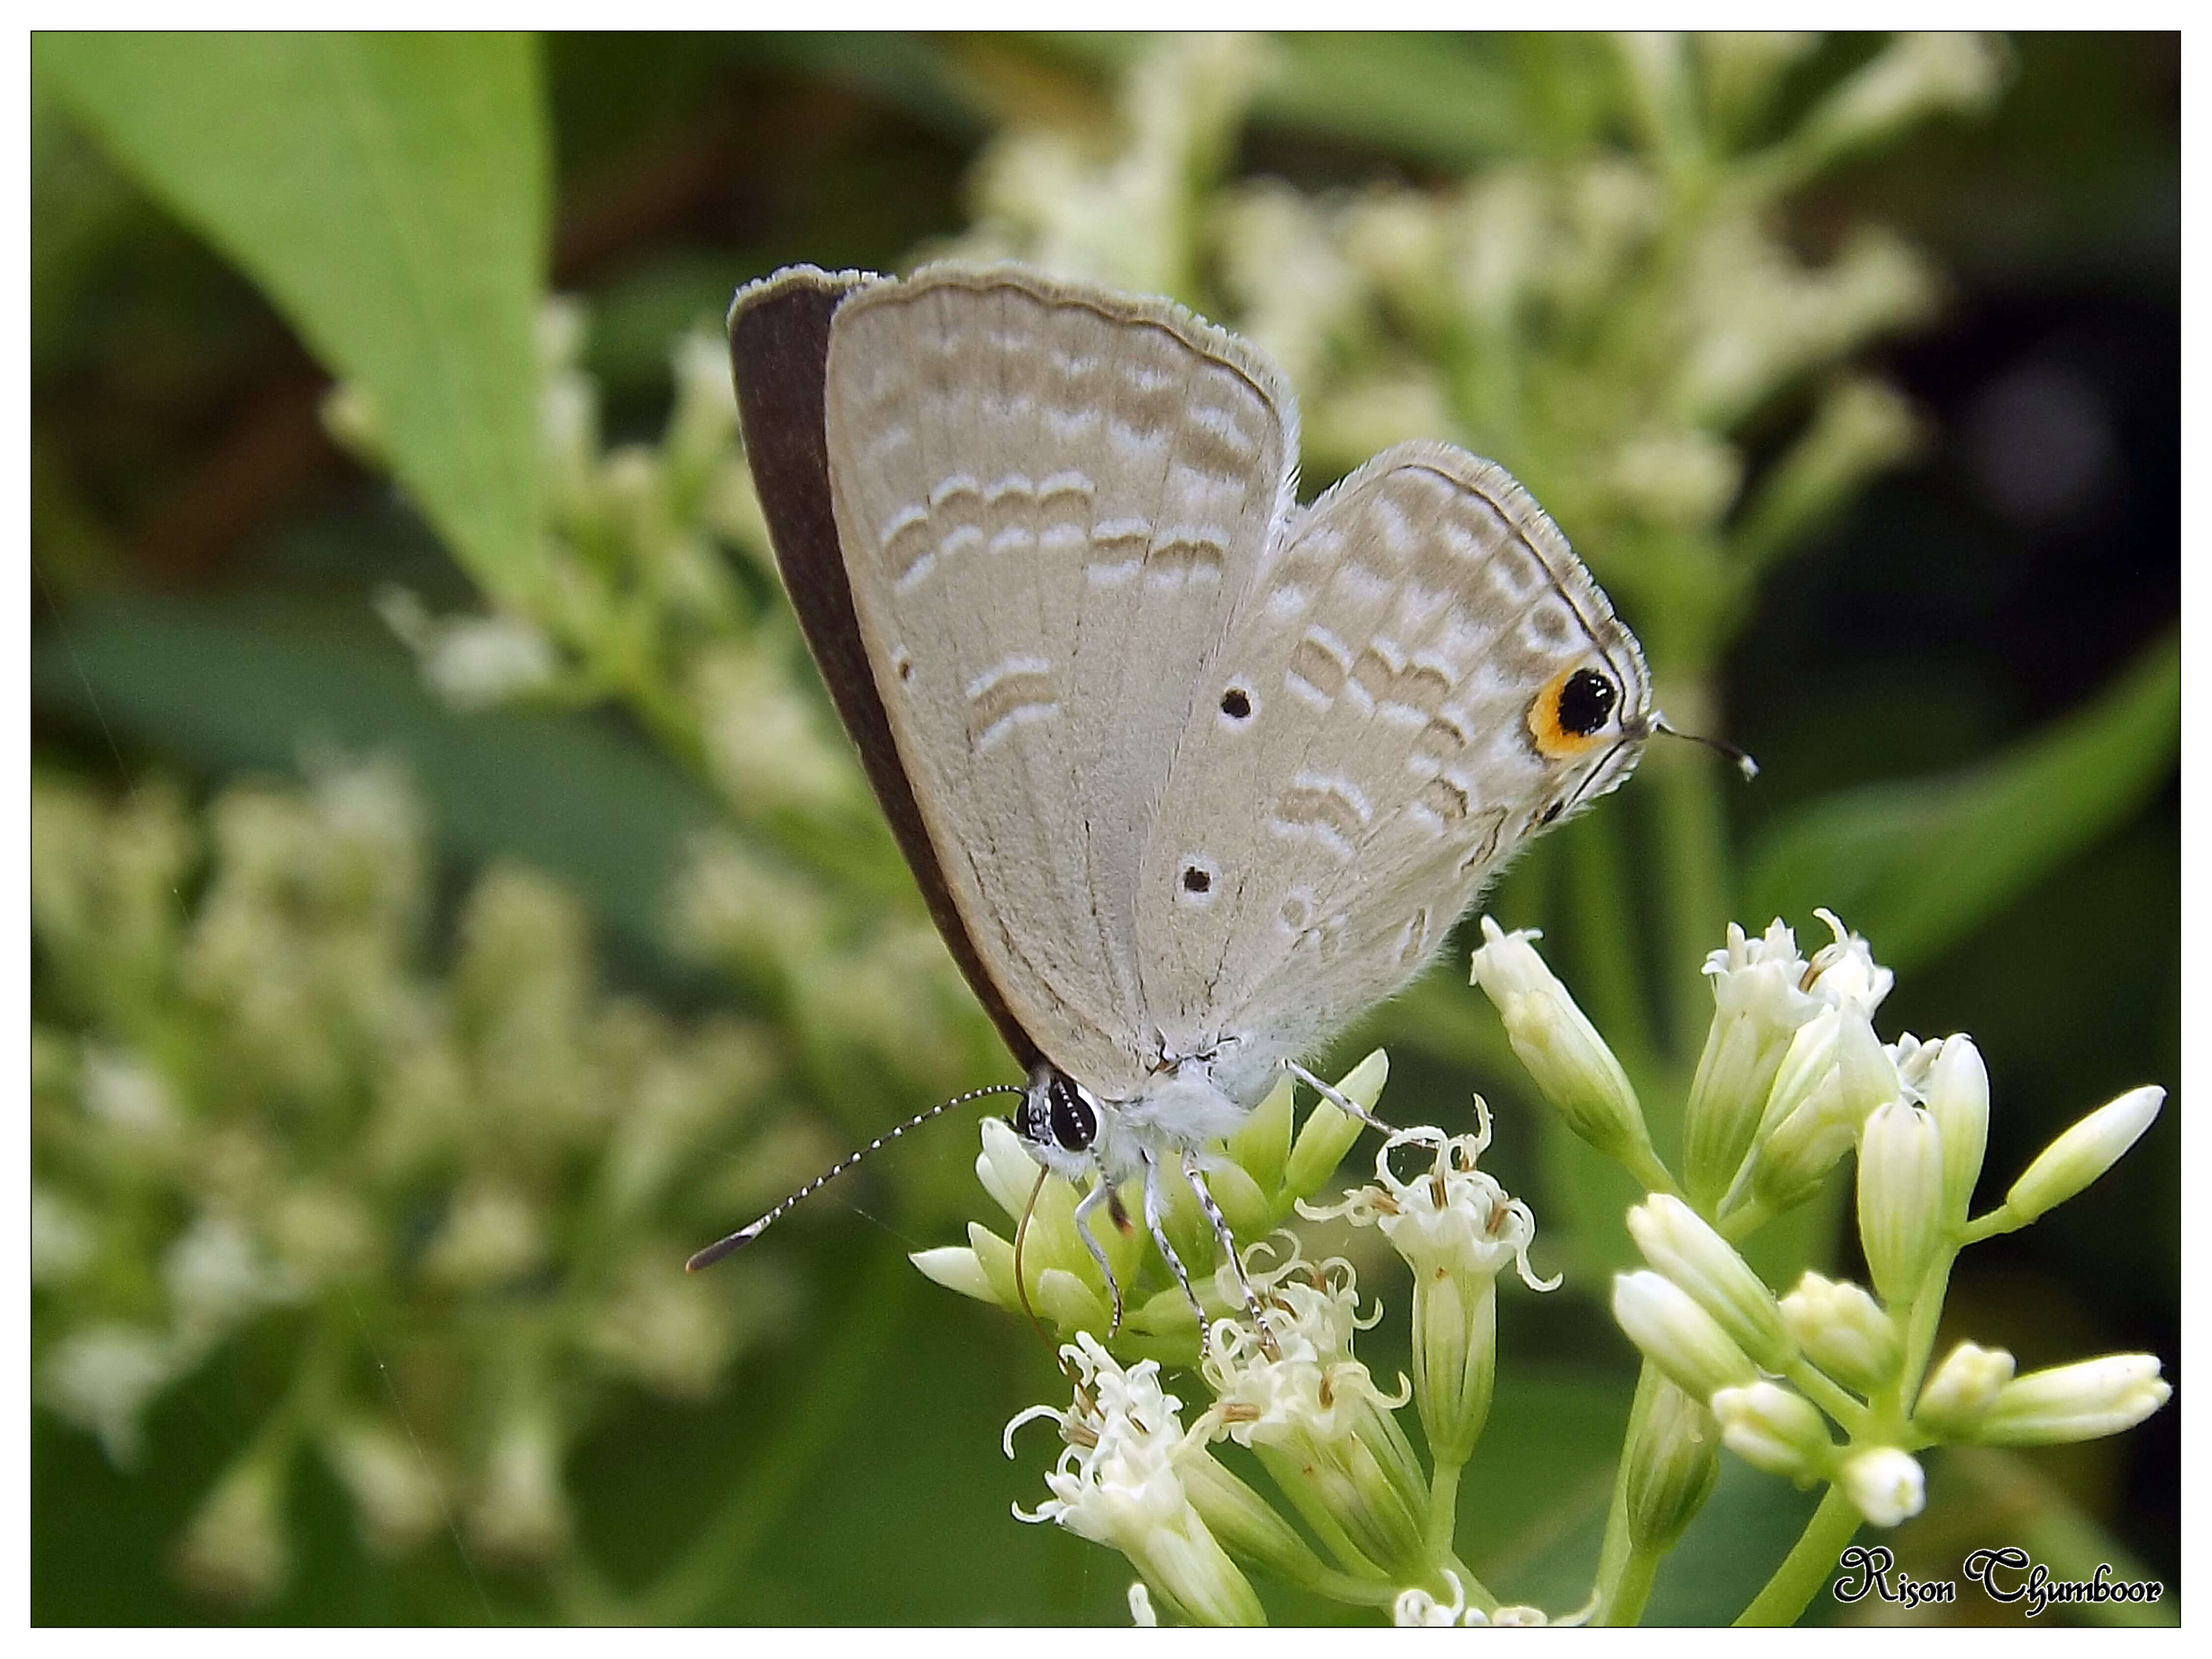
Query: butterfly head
{"type": "Point", "coordinates": [1058, 1120]}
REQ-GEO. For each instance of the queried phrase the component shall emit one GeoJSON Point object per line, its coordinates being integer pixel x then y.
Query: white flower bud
{"type": "Point", "coordinates": [103, 1377]}
{"type": "Point", "coordinates": [1775, 1430]}
{"type": "Point", "coordinates": [2083, 1153]}
{"type": "Point", "coordinates": [234, 1547]}
{"type": "Point", "coordinates": [1959, 1100]}
{"type": "Point", "coordinates": [217, 1278]}
{"type": "Point", "coordinates": [1672, 1463]}
{"type": "Point", "coordinates": [1862, 427]}
{"type": "Point", "coordinates": [1884, 1485]}
{"type": "Point", "coordinates": [2080, 1402]}
{"type": "Point", "coordinates": [521, 1513]}
{"type": "Point", "coordinates": [1959, 1394]}
{"type": "Point", "coordinates": [492, 1235]}
{"type": "Point", "coordinates": [1140, 1605]}
{"type": "Point", "coordinates": [1795, 1152]}
{"type": "Point", "coordinates": [1914, 77]}
{"type": "Point", "coordinates": [1328, 1133]}
{"type": "Point", "coordinates": [480, 662]}
{"type": "Point", "coordinates": [956, 1267]}
{"type": "Point", "coordinates": [63, 1238]}
{"type": "Point", "coordinates": [354, 417]}
{"type": "Point", "coordinates": [559, 330]}
{"type": "Point", "coordinates": [395, 1496]}
{"type": "Point", "coordinates": [1835, 1072]}
{"type": "Point", "coordinates": [1844, 1331]}
{"type": "Point", "coordinates": [704, 421]}
{"type": "Point", "coordinates": [1900, 1197]}
{"type": "Point", "coordinates": [1563, 1051]}
{"type": "Point", "coordinates": [1756, 1011]}
{"type": "Point", "coordinates": [1845, 970]}
{"type": "Point", "coordinates": [1680, 1245]}
{"type": "Point", "coordinates": [1677, 1335]}
{"type": "Point", "coordinates": [1684, 479]}
{"type": "Point", "coordinates": [1416, 1608]}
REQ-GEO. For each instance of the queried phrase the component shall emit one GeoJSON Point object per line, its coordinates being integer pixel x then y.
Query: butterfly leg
{"type": "Point", "coordinates": [1220, 1223]}
{"type": "Point", "coordinates": [1337, 1097]}
{"type": "Point", "coordinates": [1101, 1191]}
{"type": "Point", "coordinates": [1154, 1218]}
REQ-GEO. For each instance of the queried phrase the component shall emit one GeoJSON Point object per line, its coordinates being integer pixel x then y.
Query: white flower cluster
{"type": "Point", "coordinates": [1291, 1391]}
{"type": "Point", "coordinates": [258, 1100]}
{"type": "Point", "coordinates": [1792, 1078]}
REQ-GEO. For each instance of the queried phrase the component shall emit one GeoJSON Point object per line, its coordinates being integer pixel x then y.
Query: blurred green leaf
{"type": "Point", "coordinates": [1916, 866]}
{"type": "Point", "coordinates": [246, 684]}
{"type": "Point", "coordinates": [390, 192]}
{"type": "Point", "coordinates": [1445, 100]}
{"type": "Point", "coordinates": [1439, 99]}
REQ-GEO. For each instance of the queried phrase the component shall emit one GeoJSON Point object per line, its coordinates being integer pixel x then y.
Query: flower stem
{"type": "Point", "coordinates": [1613, 1560]}
{"type": "Point", "coordinates": [1806, 1568]}
{"type": "Point", "coordinates": [1625, 1605]}
{"type": "Point", "coordinates": [1443, 1508]}
{"type": "Point", "coordinates": [1816, 1386]}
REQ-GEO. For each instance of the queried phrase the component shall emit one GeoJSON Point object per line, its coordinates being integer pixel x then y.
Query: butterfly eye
{"type": "Point", "coordinates": [1074, 1125]}
{"type": "Point", "coordinates": [1566, 717]}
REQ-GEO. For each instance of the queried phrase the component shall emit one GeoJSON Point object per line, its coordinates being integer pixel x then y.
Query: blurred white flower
{"type": "Point", "coordinates": [102, 1376]}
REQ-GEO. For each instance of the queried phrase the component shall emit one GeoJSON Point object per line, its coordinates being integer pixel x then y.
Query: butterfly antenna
{"type": "Point", "coordinates": [1744, 763]}
{"type": "Point", "coordinates": [744, 1236]}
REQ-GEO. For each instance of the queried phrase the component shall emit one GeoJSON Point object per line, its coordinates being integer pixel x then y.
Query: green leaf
{"type": "Point", "coordinates": [1916, 866]}
{"type": "Point", "coordinates": [389, 192]}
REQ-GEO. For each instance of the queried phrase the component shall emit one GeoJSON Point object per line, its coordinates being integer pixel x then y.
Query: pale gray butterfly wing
{"type": "Point", "coordinates": [1371, 748]}
{"type": "Point", "coordinates": [1051, 502]}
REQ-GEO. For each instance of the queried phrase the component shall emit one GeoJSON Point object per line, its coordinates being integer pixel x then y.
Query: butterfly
{"type": "Point", "coordinates": [1189, 776]}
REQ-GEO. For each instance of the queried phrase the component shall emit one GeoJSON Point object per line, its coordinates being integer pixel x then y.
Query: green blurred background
{"type": "Point", "coordinates": [1959, 684]}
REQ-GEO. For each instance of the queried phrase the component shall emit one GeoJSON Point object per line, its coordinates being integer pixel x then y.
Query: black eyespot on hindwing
{"type": "Point", "coordinates": [1586, 701]}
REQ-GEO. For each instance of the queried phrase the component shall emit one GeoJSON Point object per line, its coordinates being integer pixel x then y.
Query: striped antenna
{"type": "Point", "coordinates": [744, 1236]}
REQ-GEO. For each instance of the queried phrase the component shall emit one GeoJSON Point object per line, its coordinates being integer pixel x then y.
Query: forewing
{"type": "Point", "coordinates": [1361, 758]}
{"type": "Point", "coordinates": [779, 350]}
{"type": "Point", "coordinates": [1051, 501]}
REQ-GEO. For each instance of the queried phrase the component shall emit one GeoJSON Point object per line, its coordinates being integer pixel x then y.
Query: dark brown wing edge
{"type": "Point", "coordinates": [780, 355]}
